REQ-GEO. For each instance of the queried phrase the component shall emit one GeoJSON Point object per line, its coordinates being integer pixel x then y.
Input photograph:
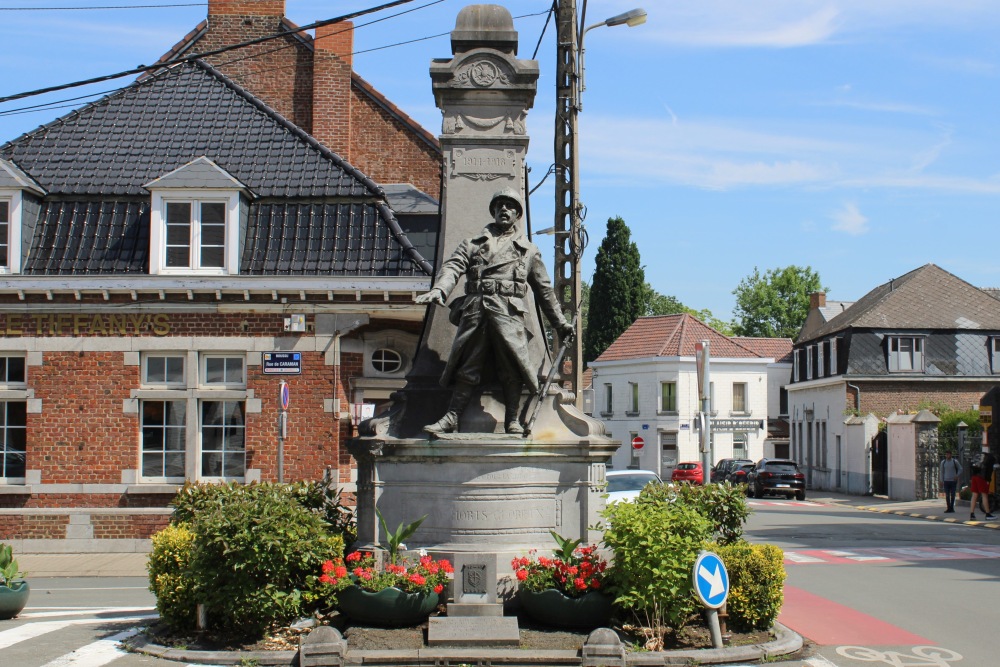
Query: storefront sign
{"type": "Point", "coordinates": [86, 324]}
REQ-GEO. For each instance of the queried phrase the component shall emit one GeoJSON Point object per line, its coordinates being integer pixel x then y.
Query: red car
{"type": "Point", "coordinates": [690, 472]}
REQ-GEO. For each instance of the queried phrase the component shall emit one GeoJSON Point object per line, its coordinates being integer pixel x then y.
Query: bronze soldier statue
{"type": "Point", "coordinates": [500, 266]}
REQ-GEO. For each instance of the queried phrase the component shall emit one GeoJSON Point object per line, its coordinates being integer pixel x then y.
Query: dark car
{"type": "Point", "coordinates": [776, 477]}
{"type": "Point", "coordinates": [739, 476]}
{"type": "Point", "coordinates": [690, 472]}
{"type": "Point", "coordinates": [725, 467]}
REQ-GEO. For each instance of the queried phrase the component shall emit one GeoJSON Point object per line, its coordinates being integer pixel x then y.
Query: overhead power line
{"type": "Point", "coordinates": [64, 9]}
{"type": "Point", "coordinates": [205, 54]}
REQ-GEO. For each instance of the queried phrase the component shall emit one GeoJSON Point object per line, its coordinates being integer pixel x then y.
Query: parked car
{"type": "Point", "coordinates": [690, 471]}
{"type": "Point", "coordinates": [776, 477]}
{"type": "Point", "coordinates": [739, 476]}
{"type": "Point", "coordinates": [725, 467]}
{"type": "Point", "coordinates": [625, 485]}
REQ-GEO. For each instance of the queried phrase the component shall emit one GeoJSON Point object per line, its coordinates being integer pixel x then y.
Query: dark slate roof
{"type": "Point", "coordinates": [12, 177]}
{"type": "Point", "coordinates": [926, 298]}
{"type": "Point", "coordinates": [311, 208]}
{"type": "Point", "coordinates": [119, 143]}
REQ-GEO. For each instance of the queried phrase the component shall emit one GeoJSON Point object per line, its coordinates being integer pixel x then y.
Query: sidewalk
{"type": "Point", "coordinates": [930, 510]}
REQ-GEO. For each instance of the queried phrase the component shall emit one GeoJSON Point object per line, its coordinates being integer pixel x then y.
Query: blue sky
{"type": "Point", "coordinates": [858, 138]}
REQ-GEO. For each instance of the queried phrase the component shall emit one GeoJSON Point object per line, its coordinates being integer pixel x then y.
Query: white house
{"type": "Point", "coordinates": [645, 384]}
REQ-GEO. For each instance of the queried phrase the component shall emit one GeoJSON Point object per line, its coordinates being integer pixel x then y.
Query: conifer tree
{"type": "Point", "coordinates": [618, 293]}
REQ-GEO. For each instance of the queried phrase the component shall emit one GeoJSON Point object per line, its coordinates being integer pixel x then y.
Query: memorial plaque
{"type": "Point", "coordinates": [474, 579]}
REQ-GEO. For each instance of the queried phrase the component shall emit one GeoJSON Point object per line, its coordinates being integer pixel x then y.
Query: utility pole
{"type": "Point", "coordinates": [568, 224]}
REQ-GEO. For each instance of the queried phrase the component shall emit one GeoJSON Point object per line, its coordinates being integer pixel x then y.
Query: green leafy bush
{"type": "Point", "coordinates": [655, 546]}
{"type": "Point", "coordinates": [168, 580]}
{"type": "Point", "coordinates": [255, 554]}
{"type": "Point", "coordinates": [756, 584]}
{"type": "Point", "coordinates": [9, 569]}
{"type": "Point", "coordinates": [724, 505]}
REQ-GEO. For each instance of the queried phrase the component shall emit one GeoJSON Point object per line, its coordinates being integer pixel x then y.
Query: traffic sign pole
{"type": "Point", "coordinates": [711, 584]}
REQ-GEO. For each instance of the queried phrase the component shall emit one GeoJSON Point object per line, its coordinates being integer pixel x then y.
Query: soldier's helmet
{"type": "Point", "coordinates": [507, 193]}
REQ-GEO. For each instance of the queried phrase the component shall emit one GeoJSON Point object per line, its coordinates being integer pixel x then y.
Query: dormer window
{"type": "Point", "coordinates": [14, 185]}
{"type": "Point", "coordinates": [195, 221]}
{"type": "Point", "coordinates": [196, 235]}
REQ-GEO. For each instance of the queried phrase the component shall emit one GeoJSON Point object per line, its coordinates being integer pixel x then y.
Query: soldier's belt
{"type": "Point", "coordinates": [499, 287]}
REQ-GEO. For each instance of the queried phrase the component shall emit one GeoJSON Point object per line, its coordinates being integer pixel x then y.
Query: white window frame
{"type": "Point", "coordinates": [609, 399]}
{"type": "Point", "coordinates": [633, 393]}
{"type": "Point", "coordinates": [833, 356]}
{"type": "Point", "coordinates": [746, 399]}
{"type": "Point", "coordinates": [203, 360]}
{"type": "Point", "coordinates": [5, 382]}
{"type": "Point", "coordinates": [664, 408]}
{"type": "Point", "coordinates": [186, 451]}
{"type": "Point", "coordinates": [819, 360]}
{"type": "Point", "coordinates": [201, 438]}
{"type": "Point", "coordinates": [178, 384]}
{"type": "Point", "coordinates": [916, 353]}
{"type": "Point", "coordinates": [995, 354]}
{"type": "Point", "coordinates": [158, 231]}
{"type": "Point", "coordinates": [383, 355]}
{"type": "Point", "coordinates": [809, 362]}
{"type": "Point", "coordinates": [15, 208]}
{"type": "Point", "coordinates": [4, 428]}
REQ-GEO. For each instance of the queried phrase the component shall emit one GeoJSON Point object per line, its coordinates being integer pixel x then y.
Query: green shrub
{"type": "Point", "coordinates": [256, 554]}
{"type": "Point", "coordinates": [655, 545]}
{"type": "Point", "coordinates": [168, 580]}
{"type": "Point", "coordinates": [724, 505]}
{"type": "Point", "coordinates": [756, 584]}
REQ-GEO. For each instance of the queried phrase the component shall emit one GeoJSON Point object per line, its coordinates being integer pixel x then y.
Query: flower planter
{"type": "Point", "coordinates": [389, 607]}
{"type": "Point", "coordinates": [556, 609]}
{"type": "Point", "coordinates": [13, 598]}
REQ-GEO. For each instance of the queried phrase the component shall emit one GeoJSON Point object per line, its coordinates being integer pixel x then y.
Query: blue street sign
{"type": "Point", "coordinates": [711, 581]}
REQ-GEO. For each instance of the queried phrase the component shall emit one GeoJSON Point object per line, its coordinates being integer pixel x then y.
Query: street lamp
{"type": "Point", "coordinates": [568, 210]}
{"type": "Point", "coordinates": [631, 18]}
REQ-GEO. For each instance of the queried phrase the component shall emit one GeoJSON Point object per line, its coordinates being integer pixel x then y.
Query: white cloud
{"type": "Point", "coordinates": [850, 220]}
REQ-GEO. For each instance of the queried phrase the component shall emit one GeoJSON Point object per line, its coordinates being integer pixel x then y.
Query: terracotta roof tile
{"type": "Point", "coordinates": [672, 336]}
{"type": "Point", "coordinates": [778, 348]}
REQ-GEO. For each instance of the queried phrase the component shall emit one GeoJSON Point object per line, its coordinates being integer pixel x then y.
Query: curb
{"type": "Point", "coordinates": [929, 517]}
{"type": "Point", "coordinates": [785, 642]}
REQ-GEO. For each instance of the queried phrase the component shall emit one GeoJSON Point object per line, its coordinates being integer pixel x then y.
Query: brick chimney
{"type": "Point", "coordinates": [246, 7]}
{"type": "Point", "coordinates": [817, 300]}
{"type": "Point", "coordinates": [332, 63]}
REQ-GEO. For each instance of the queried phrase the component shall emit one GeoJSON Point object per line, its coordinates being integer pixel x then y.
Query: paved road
{"type": "Point", "coordinates": [78, 622]}
{"type": "Point", "coordinates": [879, 589]}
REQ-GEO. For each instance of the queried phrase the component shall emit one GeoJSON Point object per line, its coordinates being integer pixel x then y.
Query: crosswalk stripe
{"type": "Point", "coordinates": [81, 611]}
{"type": "Point", "coordinates": [32, 630]}
{"type": "Point", "coordinates": [94, 654]}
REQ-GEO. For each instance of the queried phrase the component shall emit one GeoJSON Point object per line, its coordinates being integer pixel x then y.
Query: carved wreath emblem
{"type": "Point", "coordinates": [482, 74]}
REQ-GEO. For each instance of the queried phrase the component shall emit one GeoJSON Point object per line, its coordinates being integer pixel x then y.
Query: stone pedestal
{"type": "Point", "coordinates": [482, 493]}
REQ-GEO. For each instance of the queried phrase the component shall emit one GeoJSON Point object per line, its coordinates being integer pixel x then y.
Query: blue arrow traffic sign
{"type": "Point", "coordinates": [711, 581]}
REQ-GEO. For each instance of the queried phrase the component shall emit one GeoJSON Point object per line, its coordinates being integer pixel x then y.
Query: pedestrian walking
{"type": "Point", "coordinates": [980, 493]}
{"type": "Point", "coordinates": [951, 470]}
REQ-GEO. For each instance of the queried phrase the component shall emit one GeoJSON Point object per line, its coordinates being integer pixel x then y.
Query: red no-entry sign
{"type": "Point", "coordinates": [638, 442]}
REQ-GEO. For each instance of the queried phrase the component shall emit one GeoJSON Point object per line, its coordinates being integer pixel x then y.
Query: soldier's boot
{"type": "Point", "coordinates": [460, 398]}
{"type": "Point", "coordinates": [512, 408]}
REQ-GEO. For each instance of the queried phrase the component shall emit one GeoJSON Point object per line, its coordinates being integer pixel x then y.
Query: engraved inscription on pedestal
{"type": "Point", "coordinates": [502, 514]}
{"type": "Point", "coordinates": [474, 579]}
{"type": "Point", "coordinates": [484, 163]}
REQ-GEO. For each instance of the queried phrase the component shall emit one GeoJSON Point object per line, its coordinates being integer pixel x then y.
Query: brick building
{"type": "Point", "coordinates": [173, 252]}
{"type": "Point", "coordinates": [926, 338]}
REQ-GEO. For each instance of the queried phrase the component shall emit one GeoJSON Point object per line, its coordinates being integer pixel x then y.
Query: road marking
{"type": "Point", "coordinates": [797, 557]}
{"type": "Point", "coordinates": [929, 656]}
{"type": "Point", "coordinates": [820, 661]}
{"type": "Point", "coordinates": [95, 654]}
{"type": "Point", "coordinates": [83, 611]}
{"type": "Point", "coordinates": [830, 623]}
{"type": "Point", "coordinates": [32, 630]}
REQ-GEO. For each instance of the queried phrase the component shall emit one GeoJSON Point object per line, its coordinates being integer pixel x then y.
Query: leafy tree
{"type": "Point", "coordinates": [662, 304]}
{"type": "Point", "coordinates": [618, 293]}
{"type": "Point", "coordinates": [774, 305]}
